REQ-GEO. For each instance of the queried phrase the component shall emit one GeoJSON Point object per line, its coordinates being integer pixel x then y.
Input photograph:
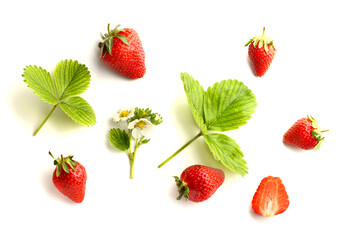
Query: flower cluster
{"type": "Point", "coordinates": [138, 124]}
{"type": "Point", "coordinates": [139, 121]}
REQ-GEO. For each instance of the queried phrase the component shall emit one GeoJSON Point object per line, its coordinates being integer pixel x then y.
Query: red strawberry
{"type": "Point", "coordinates": [198, 183]}
{"type": "Point", "coordinates": [122, 51]}
{"type": "Point", "coordinates": [72, 180]}
{"type": "Point", "coordinates": [270, 198]}
{"type": "Point", "coordinates": [261, 53]}
{"type": "Point", "coordinates": [305, 133]}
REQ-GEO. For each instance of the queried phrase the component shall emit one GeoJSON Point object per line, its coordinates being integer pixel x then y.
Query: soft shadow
{"type": "Point", "coordinates": [256, 216]}
{"type": "Point", "coordinates": [251, 66]}
{"type": "Point", "coordinates": [184, 116]}
{"type": "Point", "coordinates": [30, 110]}
{"type": "Point", "coordinates": [104, 70]}
{"type": "Point", "coordinates": [46, 180]}
{"type": "Point", "coordinates": [292, 148]}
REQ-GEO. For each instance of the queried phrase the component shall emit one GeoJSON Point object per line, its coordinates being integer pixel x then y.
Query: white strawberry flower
{"type": "Point", "coordinates": [123, 114]}
{"type": "Point", "coordinates": [140, 127]}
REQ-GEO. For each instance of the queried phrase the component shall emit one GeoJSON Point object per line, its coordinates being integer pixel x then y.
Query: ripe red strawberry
{"type": "Point", "coordinates": [72, 180]}
{"type": "Point", "coordinates": [261, 53]}
{"type": "Point", "coordinates": [270, 198]}
{"type": "Point", "coordinates": [305, 133]}
{"type": "Point", "coordinates": [122, 51]}
{"type": "Point", "coordinates": [198, 183]}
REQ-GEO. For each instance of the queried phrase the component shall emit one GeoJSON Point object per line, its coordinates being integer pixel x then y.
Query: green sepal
{"type": "Point", "coordinates": [139, 113]}
{"type": "Point", "coordinates": [123, 39]}
{"type": "Point", "coordinates": [145, 141]}
{"type": "Point", "coordinates": [318, 145]}
{"type": "Point", "coordinates": [317, 133]}
{"type": "Point", "coordinates": [63, 163]}
{"type": "Point", "coordinates": [65, 167]}
{"type": "Point", "coordinates": [262, 40]}
{"type": "Point", "coordinates": [183, 189]}
{"type": "Point", "coordinates": [108, 38]}
{"type": "Point", "coordinates": [58, 170]}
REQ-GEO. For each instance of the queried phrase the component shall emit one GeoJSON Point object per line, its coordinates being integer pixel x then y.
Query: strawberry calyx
{"type": "Point", "coordinates": [317, 133]}
{"type": "Point", "coordinates": [108, 38]}
{"type": "Point", "coordinates": [260, 41]}
{"type": "Point", "coordinates": [63, 163]}
{"type": "Point", "coordinates": [183, 189]}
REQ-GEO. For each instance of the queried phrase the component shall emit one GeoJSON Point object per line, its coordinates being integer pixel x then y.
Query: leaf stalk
{"type": "Point", "coordinates": [45, 120]}
{"type": "Point", "coordinates": [182, 148]}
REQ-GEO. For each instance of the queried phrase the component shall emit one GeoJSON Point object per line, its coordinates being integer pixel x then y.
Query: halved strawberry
{"type": "Point", "coordinates": [270, 198]}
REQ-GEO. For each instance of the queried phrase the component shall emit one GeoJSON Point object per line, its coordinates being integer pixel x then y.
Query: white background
{"type": "Point", "coordinates": [315, 71]}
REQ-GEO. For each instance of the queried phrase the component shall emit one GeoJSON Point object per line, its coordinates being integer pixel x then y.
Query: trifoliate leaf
{"type": "Point", "coordinates": [79, 110]}
{"type": "Point", "coordinates": [40, 81]}
{"type": "Point", "coordinates": [119, 139]}
{"type": "Point", "coordinates": [228, 105]}
{"type": "Point", "coordinates": [227, 151]}
{"type": "Point", "coordinates": [71, 78]}
{"type": "Point", "coordinates": [195, 97]}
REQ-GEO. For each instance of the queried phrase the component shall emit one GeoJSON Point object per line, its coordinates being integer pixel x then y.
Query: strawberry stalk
{"type": "Point", "coordinates": [180, 149]}
{"type": "Point", "coordinates": [132, 154]}
{"type": "Point", "coordinates": [63, 163]}
{"type": "Point", "coordinates": [45, 120]}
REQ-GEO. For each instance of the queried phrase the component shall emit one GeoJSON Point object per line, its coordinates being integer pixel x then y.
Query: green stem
{"type": "Point", "coordinates": [47, 117]}
{"type": "Point", "coordinates": [132, 157]}
{"type": "Point", "coordinates": [131, 167]}
{"type": "Point", "coordinates": [182, 148]}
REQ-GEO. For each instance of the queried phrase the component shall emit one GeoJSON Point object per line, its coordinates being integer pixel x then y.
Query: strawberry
{"type": "Point", "coordinates": [305, 133]}
{"type": "Point", "coordinates": [270, 197]}
{"type": "Point", "coordinates": [72, 180]}
{"type": "Point", "coordinates": [198, 183]}
{"type": "Point", "coordinates": [122, 51]}
{"type": "Point", "coordinates": [261, 53]}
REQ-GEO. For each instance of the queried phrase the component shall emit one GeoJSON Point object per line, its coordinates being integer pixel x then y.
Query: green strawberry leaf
{"type": "Point", "coordinates": [227, 151]}
{"type": "Point", "coordinates": [228, 105]}
{"type": "Point", "coordinates": [225, 106]}
{"type": "Point", "coordinates": [195, 97]}
{"type": "Point", "coordinates": [119, 139]}
{"type": "Point", "coordinates": [71, 78]}
{"type": "Point", "coordinates": [79, 110]}
{"type": "Point", "coordinates": [40, 81]}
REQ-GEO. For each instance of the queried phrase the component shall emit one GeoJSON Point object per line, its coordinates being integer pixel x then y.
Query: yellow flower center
{"type": "Point", "coordinates": [124, 113]}
{"type": "Point", "coordinates": [140, 124]}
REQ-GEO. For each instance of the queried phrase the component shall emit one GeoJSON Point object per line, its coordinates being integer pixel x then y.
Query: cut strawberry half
{"type": "Point", "coordinates": [270, 198]}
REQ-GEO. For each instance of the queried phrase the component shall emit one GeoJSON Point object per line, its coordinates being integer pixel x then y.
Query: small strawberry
{"type": "Point", "coordinates": [122, 51]}
{"type": "Point", "coordinates": [198, 183]}
{"type": "Point", "coordinates": [261, 53]}
{"type": "Point", "coordinates": [270, 198]}
{"type": "Point", "coordinates": [70, 182]}
{"type": "Point", "coordinates": [305, 133]}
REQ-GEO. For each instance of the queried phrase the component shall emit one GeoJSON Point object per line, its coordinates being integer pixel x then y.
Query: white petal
{"type": "Point", "coordinates": [136, 133]}
{"type": "Point", "coordinates": [146, 131]}
{"type": "Point", "coordinates": [132, 124]}
{"type": "Point", "coordinates": [116, 117]}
